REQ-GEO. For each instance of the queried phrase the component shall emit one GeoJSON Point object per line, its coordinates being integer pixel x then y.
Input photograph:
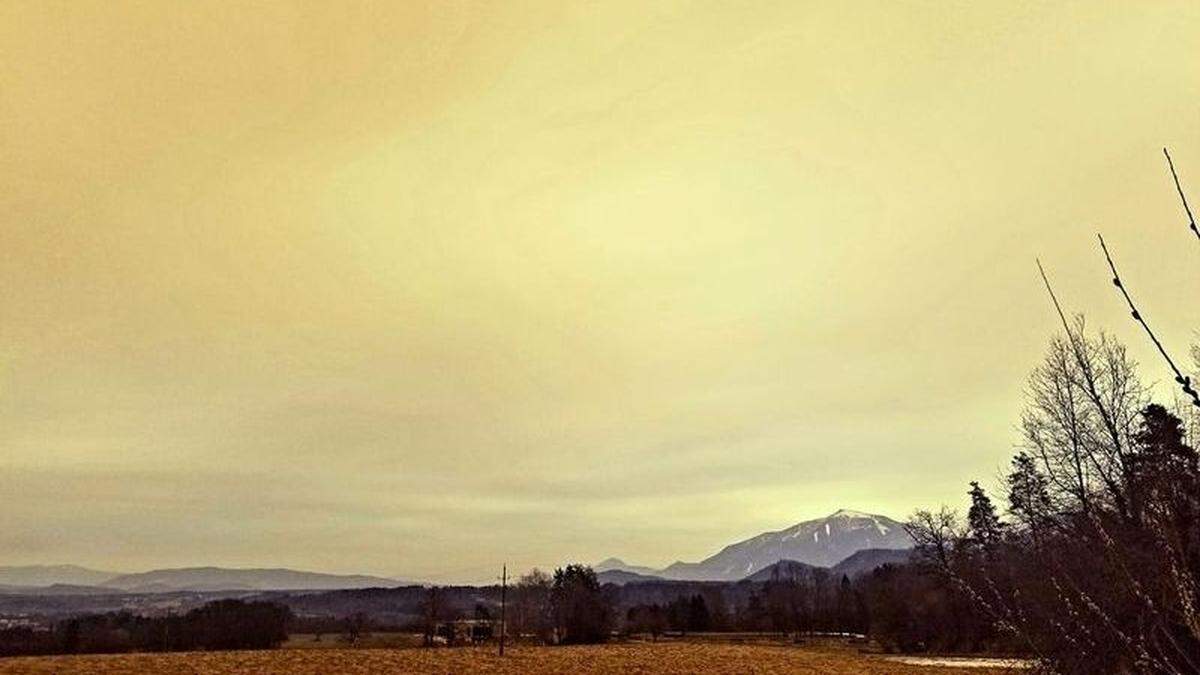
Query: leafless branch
{"type": "Point", "coordinates": [1183, 380]}
{"type": "Point", "coordinates": [1183, 198]}
{"type": "Point", "coordinates": [1054, 298]}
{"type": "Point", "coordinates": [1108, 415]}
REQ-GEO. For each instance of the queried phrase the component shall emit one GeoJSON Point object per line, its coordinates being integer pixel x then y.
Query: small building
{"type": "Point", "coordinates": [462, 631]}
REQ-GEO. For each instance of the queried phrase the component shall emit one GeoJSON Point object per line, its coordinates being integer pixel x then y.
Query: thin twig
{"type": "Point", "coordinates": [1183, 380]}
{"type": "Point", "coordinates": [1054, 298]}
{"type": "Point", "coordinates": [1178, 188]}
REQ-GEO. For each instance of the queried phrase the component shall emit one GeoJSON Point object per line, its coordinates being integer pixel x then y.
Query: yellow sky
{"type": "Point", "coordinates": [417, 288]}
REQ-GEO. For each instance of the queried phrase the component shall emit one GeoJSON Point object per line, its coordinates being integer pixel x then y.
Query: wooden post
{"type": "Point", "coordinates": [503, 598]}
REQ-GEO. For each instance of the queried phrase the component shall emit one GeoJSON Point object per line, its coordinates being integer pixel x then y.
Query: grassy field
{"type": "Point", "coordinates": [674, 657]}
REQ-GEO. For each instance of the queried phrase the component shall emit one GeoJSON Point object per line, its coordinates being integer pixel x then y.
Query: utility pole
{"type": "Point", "coordinates": [503, 598]}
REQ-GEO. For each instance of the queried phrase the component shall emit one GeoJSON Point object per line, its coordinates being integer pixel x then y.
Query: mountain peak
{"type": "Point", "coordinates": [616, 564]}
{"type": "Point", "coordinates": [821, 542]}
{"type": "Point", "coordinates": [849, 513]}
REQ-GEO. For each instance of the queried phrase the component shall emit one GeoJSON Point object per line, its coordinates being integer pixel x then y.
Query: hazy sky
{"type": "Point", "coordinates": [418, 288]}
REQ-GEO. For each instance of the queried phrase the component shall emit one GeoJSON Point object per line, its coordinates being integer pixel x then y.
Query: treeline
{"type": "Point", "coordinates": [223, 624]}
{"type": "Point", "coordinates": [1091, 564]}
{"type": "Point", "coordinates": [1094, 563]}
{"type": "Point", "coordinates": [570, 607]}
{"type": "Point", "coordinates": [902, 607]}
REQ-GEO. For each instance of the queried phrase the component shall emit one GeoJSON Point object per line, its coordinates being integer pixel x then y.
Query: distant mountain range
{"type": "Point", "coordinates": [49, 575]}
{"type": "Point", "coordinates": [847, 542]}
{"type": "Point", "coordinates": [224, 579]}
{"type": "Point", "coordinates": [622, 577]}
{"type": "Point", "coordinates": [858, 563]}
{"type": "Point", "coordinates": [823, 542]}
{"type": "Point", "coordinates": [74, 580]}
{"type": "Point", "coordinates": [616, 564]}
{"type": "Point", "coordinates": [54, 589]}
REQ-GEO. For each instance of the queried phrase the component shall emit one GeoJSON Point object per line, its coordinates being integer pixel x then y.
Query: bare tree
{"type": "Point", "coordinates": [1082, 409]}
{"type": "Point", "coordinates": [531, 607]}
{"type": "Point", "coordinates": [934, 535]}
{"type": "Point", "coordinates": [432, 611]}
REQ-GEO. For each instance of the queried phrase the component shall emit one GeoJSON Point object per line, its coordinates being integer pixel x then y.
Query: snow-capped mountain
{"type": "Point", "coordinates": [823, 542]}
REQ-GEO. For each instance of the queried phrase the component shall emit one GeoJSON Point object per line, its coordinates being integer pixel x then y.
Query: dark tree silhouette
{"type": "Point", "coordinates": [984, 526]}
{"type": "Point", "coordinates": [581, 611]}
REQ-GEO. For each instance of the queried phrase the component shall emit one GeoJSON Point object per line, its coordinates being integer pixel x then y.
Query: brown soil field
{"type": "Point", "coordinates": [678, 657]}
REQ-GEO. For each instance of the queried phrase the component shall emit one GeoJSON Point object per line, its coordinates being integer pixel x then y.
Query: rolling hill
{"type": "Point", "coordinates": [868, 559]}
{"type": "Point", "coordinates": [622, 577]}
{"type": "Point", "coordinates": [49, 575]}
{"type": "Point", "coordinates": [224, 579]}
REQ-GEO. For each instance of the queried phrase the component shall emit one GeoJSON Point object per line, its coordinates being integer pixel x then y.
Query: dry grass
{"type": "Point", "coordinates": [373, 640]}
{"type": "Point", "coordinates": [678, 657]}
